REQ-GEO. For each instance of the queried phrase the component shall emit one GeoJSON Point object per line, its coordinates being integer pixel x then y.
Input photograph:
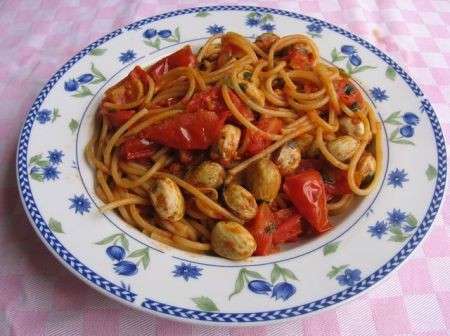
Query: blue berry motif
{"type": "Point", "coordinates": [283, 290]}
{"type": "Point", "coordinates": [411, 119]}
{"type": "Point", "coordinates": [150, 33]}
{"type": "Point", "coordinates": [348, 50]}
{"type": "Point", "coordinates": [165, 33]}
{"type": "Point", "coordinates": [125, 267]}
{"type": "Point", "coordinates": [355, 60]}
{"type": "Point", "coordinates": [260, 287]}
{"type": "Point", "coordinates": [405, 127]}
{"type": "Point", "coordinates": [71, 85]}
{"type": "Point", "coordinates": [85, 78]}
{"type": "Point", "coordinates": [115, 252]}
{"type": "Point", "coordinates": [407, 131]}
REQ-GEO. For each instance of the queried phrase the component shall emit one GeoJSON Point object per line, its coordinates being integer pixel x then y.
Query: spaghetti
{"type": "Point", "coordinates": [237, 149]}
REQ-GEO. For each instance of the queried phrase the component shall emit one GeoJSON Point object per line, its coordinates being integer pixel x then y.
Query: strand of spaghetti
{"type": "Point", "coordinates": [319, 122]}
{"type": "Point", "coordinates": [145, 225]}
{"type": "Point", "coordinates": [92, 160]}
{"type": "Point", "coordinates": [151, 89]}
{"type": "Point", "coordinates": [291, 88]}
{"type": "Point", "coordinates": [152, 120]}
{"type": "Point", "coordinates": [347, 111]}
{"type": "Point", "coordinates": [172, 92]}
{"type": "Point", "coordinates": [339, 206]}
{"type": "Point", "coordinates": [127, 106]}
{"type": "Point", "coordinates": [325, 152]}
{"type": "Point", "coordinates": [202, 52]}
{"type": "Point", "coordinates": [122, 202]}
{"type": "Point", "coordinates": [200, 228]}
{"type": "Point", "coordinates": [102, 138]}
{"type": "Point", "coordinates": [309, 105]}
{"type": "Point", "coordinates": [289, 40]}
{"type": "Point", "coordinates": [259, 51]}
{"type": "Point", "coordinates": [243, 120]}
{"type": "Point", "coordinates": [170, 226]}
{"type": "Point", "coordinates": [99, 192]}
{"type": "Point", "coordinates": [303, 128]}
{"type": "Point", "coordinates": [303, 74]}
{"type": "Point", "coordinates": [126, 183]}
{"type": "Point", "coordinates": [192, 245]}
{"type": "Point", "coordinates": [201, 196]}
{"type": "Point", "coordinates": [289, 128]}
{"type": "Point", "coordinates": [253, 105]}
{"type": "Point", "coordinates": [124, 209]}
{"type": "Point", "coordinates": [222, 72]}
{"type": "Point", "coordinates": [328, 84]}
{"type": "Point", "coordinates": [271, 95]}
{"type": "Point", "coordinates": [183, 224]}
{"type": "Point", "coordinates": [118, 133]}
{"type": "Point", "coordinates": [257, 70]}
{"type": "Point", "coordinates": [161, 238]}
{"type": "Point", "coordinates": [242, 43]}
{"type": "Point", "coordinates": [372, 119]}
{"type": "Point", "coordinates": [110, 197]}
{"type": "Point", "coordinates": [280, 66]}
{"type": "Point", "coordinates": [199, 79]}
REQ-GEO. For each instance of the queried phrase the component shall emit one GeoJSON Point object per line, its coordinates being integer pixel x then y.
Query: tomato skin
{"type": "Point", "coordinates": [212, 100]}
{"type": "Point", "coordinates": [255, 142]}
{"type": "Point", "coordinates": [188, 130]}
{"type": "Point", "coordinates": [306, 190]}
{"type": "Point", "coordinates": [336, 183]}
{"type": "Point", "coordinates": [181, 58]}
{"type": "Point", "coordinates": [348, 94]}
{"type": "Point", "coordinates": [288, 229]}
{"type": "Point", "coordinates": [136, 148]}
{"type": "Point", "coordinates": [262, 227]}
{"type": "Point", "coordinates": [298, 59]}
{"type": "Point", "coordinates": [118, 118]}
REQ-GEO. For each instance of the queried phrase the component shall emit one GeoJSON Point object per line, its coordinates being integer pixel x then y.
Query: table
{"type": "Point", "coordinates": [39, 297]}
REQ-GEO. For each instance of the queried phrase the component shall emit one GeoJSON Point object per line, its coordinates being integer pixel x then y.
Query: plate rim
{"type": "Point", "coordinates": [122, 295]}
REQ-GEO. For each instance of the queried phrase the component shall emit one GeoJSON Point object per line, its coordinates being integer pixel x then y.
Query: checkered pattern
{"type": "Point", "coordinates": [39, 297]}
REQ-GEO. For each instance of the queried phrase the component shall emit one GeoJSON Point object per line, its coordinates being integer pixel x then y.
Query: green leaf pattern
{"type": "Point", "coordinates": [205, 303]}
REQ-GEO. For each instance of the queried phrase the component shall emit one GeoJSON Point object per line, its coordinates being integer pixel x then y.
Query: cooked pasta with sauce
{"type": "Point", "coordinates": [237, 149]}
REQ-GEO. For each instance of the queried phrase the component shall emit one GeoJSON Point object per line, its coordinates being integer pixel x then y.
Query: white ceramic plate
{"type": "Point", "coordinates": [367, 244]}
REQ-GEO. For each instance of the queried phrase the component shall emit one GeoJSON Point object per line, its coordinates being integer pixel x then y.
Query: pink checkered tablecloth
{"type": "Point", "coordinates": [39, 297]}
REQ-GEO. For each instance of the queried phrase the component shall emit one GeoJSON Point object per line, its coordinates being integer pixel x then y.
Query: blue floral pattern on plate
{"type": "Point", "coordinates": [79, 86]}
{"type": "Point", "coordinates": [46, 168]}
{"type": "Point", "coordinates": [405, 127]}
{"type": "Point", "coordinates": [344, 275]}
{"type": "Point", "coordinates": [398, 223]}
{"type": "Point", "coordinates": [215, 29]}
{"type": "Point", "coordinates": [80, 204]}
{"type": "Point", "coordinates": [187, 271]}
{"type": "Point", "coordinates": [261, 20]}
{"type": "Point", "coordinates": [259, 285]}
{"type": "Point", "coordinates": [45, 116]}
{"type": "Point", "coordinates": [314, 29]}
{"type": "Point", "coordinates": [397, 177]}
{"type": "Point", "coordinates": [353, 63]}
{"type": "Point", "coordinates": [125, 264]}
{"type": "Point", "coordinates": [378, 94]}
{"type": "Point", "coordinates": [154, 37]}
{"type": "Point", "coordinates": [127, 56]}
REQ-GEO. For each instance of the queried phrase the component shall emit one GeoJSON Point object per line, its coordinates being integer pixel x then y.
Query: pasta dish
{"type": "Point", "coordinates": [236, 149]}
